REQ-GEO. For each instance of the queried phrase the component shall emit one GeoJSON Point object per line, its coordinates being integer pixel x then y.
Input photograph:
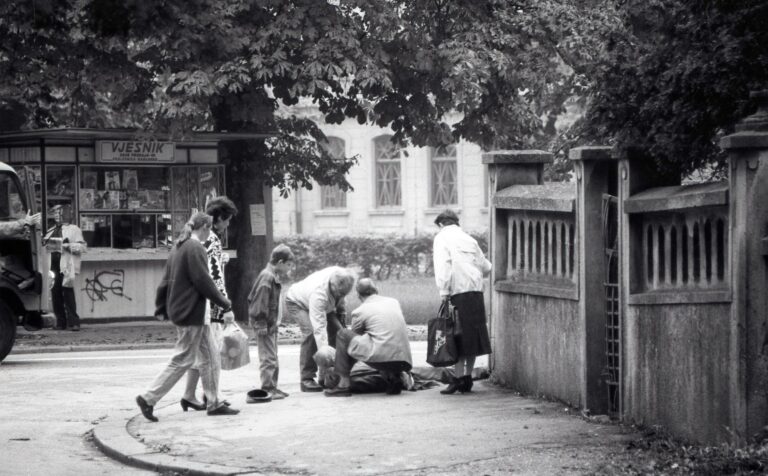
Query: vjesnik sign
{"type": "Point", "coordinates": [135, 151]}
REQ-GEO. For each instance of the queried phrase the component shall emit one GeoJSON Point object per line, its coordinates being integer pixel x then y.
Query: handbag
{"type": "Point", "coordinates": [234, 347]}
{"type": "Point", "coordinates": [441, 341]}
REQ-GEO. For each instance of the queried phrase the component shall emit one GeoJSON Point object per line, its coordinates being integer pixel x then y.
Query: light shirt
{"type": "Point", "coordinates": [313, 294]}
{"type": "Point", "coordinates": [458, 261]}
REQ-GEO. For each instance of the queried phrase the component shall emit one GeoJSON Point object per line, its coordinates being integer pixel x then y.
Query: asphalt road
{"type": "Point", "coordinates": [51, 401]}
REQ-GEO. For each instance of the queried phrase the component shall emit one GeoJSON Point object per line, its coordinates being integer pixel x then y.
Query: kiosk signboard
{"type": "Point", "coordinates": [123, 151]}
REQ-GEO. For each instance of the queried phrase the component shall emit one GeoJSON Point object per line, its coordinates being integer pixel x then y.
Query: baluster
{"type": "Point", "coordinates": [520, 244]}
{"type": "Point", "coordinates": [558, 248]}
{"type": "Point", "coordinates": [667, 230]}
{"type": "Point", "coordinates": [510, 247]}
{"type": "Point", "coordinates": [655, 259]}
{"type": "Point", "coordinates": [531, 246]}
{"type": "Point", "coordinates": [713, 248]}
{"type": "Point", "coordinates": [550, 240]}
{"type": "Point", "coordinates": [679, 240]}
{"type": "Point", "coordinates": [646, 250]}
{"type": "Point", "coordinates": [702, 253]}
{"type": "Point", "coordinates": [567, 260]}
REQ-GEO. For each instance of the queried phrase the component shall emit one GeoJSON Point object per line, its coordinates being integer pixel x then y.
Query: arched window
{"type": "Point", "coordinates": [444, 186]}
{"type": "Point", "coordinates": [331, 196]}
{"type": "Point", "coordinates": [387, 158]}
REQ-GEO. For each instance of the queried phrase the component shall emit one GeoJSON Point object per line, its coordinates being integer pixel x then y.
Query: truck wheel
{"type": "Point", "coordinates": [7, 329]}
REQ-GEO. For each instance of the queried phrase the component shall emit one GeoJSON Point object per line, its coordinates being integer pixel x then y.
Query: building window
{"type": "Point", "coordinates": [332, 196]}
{"type": "Point", "coordinates": [443, 190]}
{"type": "Point", "coordinates": [387, 156]}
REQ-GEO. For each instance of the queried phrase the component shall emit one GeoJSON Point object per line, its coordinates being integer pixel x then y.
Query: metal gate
{"type": "Point", "coordinates": [612, 372]}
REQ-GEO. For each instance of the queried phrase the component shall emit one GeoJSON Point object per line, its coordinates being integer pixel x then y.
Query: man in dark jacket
{"type": "Point", "coordinates": [181, 297]}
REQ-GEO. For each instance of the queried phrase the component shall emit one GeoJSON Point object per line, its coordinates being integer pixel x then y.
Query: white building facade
{"type": "Point", "coordinates": [396, 190]}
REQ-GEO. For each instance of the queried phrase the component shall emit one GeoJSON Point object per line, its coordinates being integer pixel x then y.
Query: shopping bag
{"type": "Point", "coordinates": [234, 347]}
{"type": "Point", "coordinates": [441, 342]}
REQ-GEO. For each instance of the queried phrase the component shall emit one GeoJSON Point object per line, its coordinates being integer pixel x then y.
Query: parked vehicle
{"type": "Point", "coordinates": [23, 293]}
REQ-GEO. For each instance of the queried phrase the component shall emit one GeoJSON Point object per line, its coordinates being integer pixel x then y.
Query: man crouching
{"type": "Point", "coordinates": [378, 337]}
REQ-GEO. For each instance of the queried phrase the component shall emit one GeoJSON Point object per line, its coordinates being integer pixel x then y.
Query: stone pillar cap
{"type": "Point", "coordinates": [530, 156]}
{"type": "Point", "coordinates": [592, 152]}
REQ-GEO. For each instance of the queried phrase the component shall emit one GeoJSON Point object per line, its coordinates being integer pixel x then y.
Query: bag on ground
{"type": "Point", "coordinates": [441, 342]}
{"type": "Point", "coordinates": [234, 347]}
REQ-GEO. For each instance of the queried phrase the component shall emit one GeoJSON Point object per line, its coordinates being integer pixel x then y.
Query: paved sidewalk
{"type": "Point", "coordinates": [487, 432]}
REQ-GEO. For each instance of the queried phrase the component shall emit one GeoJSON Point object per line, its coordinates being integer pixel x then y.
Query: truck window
{"type": "Point", "coordinates": [11, 204]}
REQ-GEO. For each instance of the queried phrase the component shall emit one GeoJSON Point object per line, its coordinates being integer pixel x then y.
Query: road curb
{"type": "Point", "coordinates": [104, 347]}
{"type": "Point", "coordinates": [112, 438]}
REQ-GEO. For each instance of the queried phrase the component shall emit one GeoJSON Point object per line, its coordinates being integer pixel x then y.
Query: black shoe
{"type": "Point", "coordinates": [465, 385]}
{"type": "Point", "coordinates": [310, 386]}
{"type": "Point", "coordinates": [75, 328]}
{"type": "Point", "coordinates": [146, 408]}
{"type": "Point", "coordinates": [205, 402]}
{"type": "Point", "coordinates": [223, 410]}
{"type": "Point", "coordinates": [394, 386]}
{"type": "Point", "coordinates": [338, 392]}
{"type": "Point", "coordinates": [59, 328]}
{"type": "Point", "coordinates": [186, 404]}
{"type": "Point", "coordinates": [452, 387]}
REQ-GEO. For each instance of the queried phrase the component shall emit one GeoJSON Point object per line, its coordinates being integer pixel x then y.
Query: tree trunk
{"type": "Point", "coordinates": [245, 187]}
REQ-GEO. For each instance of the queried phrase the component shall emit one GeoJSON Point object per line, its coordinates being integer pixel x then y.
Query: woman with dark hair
{"type": "Point", "coordinates": [460, 267]}
{"type": "Point", "coordinates": [221, 210]}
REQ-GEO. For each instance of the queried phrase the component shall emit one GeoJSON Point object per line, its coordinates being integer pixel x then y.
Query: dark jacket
{"type": "Point", "coordinates": [186, 285]}
{"type": "Point", "coordinates": [264, 299]}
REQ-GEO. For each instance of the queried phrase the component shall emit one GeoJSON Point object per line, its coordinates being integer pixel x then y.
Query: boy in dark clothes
{"type": "Point", "coordinates": [264, 315]}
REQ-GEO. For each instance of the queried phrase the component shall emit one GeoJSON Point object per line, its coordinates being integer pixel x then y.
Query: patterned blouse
{"type": "Point", "coordinates": [217, 259]}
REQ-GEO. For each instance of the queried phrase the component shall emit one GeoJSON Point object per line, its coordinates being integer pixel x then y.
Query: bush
{"type": "Point", "coordinates": [377, 256]}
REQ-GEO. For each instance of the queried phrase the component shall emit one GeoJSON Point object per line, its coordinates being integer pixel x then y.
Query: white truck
{"type": "Point", "coordinates": [23, 290]}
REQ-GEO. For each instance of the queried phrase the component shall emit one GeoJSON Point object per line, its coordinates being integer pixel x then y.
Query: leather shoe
{"type": "Point", "coordinates": [223, 410]}
{"type": "Point", "coordinates": [282, 394]}
{"type": "Point", "coordinates": [338, 392]}
{"type": "Point", "coordinates": [310, 386]}
{"type": "Point", "coordinates": [186, 404]}
{"type": "Point", "coordinates": [146, 408]}
{"type": "Point", "coordinates": [75, 329]}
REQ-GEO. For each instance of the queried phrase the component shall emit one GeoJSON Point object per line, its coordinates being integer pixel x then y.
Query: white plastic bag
{"type": "Point", "coordinates": [234, 347]}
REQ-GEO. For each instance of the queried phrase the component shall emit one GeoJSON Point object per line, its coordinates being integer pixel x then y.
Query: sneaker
{"type": "Point", "coordinates": [338, 392]}
{"type": "Point", "coordinates": [310, 386]}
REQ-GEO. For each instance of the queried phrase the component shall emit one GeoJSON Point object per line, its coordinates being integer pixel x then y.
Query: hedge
{"type": "Point", "coordinates": [377, 256]}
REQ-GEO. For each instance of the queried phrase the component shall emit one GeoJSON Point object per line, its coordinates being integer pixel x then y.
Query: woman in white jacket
{"type": "Point", "coordinates": [460, 267]}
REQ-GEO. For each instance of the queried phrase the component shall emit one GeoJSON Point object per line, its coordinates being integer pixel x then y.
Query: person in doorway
{"type": "Point", "coordinates": [181, 297]}
{"type": "Point", "coordinates": [66, 244]}
{"type": "Point", "coordinates": [19, 228]}
{"type": "Point", "coordinates": [264, 315]}
{"type": "Point", "coordinates": [460, 267]}
{"type": "Point", "coordinates": [317, 304]}
{"type": "Point", "coordinates": [221, 210]}
{"type": "Point", "coordinates": [378, 337]}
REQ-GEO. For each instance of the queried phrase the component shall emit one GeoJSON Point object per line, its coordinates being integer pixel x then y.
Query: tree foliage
{"type": "Point", "coordinates": [676, 77]}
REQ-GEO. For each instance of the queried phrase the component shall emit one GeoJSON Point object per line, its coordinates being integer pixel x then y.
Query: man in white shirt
{"type": "Point", "coordinates": [316, 304]}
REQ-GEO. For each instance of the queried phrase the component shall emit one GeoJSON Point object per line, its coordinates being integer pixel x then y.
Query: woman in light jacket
{"type": "Point", "coordinates": [459, 270]}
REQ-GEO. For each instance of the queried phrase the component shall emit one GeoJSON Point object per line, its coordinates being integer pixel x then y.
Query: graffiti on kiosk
{"type": "Point", "coordinates": [104, 283]}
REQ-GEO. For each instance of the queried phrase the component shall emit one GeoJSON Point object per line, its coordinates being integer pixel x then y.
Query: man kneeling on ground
{"type": "Point", "coordinates": [378, 337]}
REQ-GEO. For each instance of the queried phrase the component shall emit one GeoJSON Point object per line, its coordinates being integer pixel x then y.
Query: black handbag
{"type": "Point", "coordinates": [441, 340]}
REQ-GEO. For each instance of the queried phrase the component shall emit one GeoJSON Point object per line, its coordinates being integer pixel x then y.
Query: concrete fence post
{"type": "Point", "coordinates": [748, 235]}
{"type": "Point", "coordinates": [507, 168]}
{"type": "Point", "coordinates": [596, 179]}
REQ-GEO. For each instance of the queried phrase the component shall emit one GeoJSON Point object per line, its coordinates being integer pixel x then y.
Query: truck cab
{"type": "Point", "coordinates": [21, 262]}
